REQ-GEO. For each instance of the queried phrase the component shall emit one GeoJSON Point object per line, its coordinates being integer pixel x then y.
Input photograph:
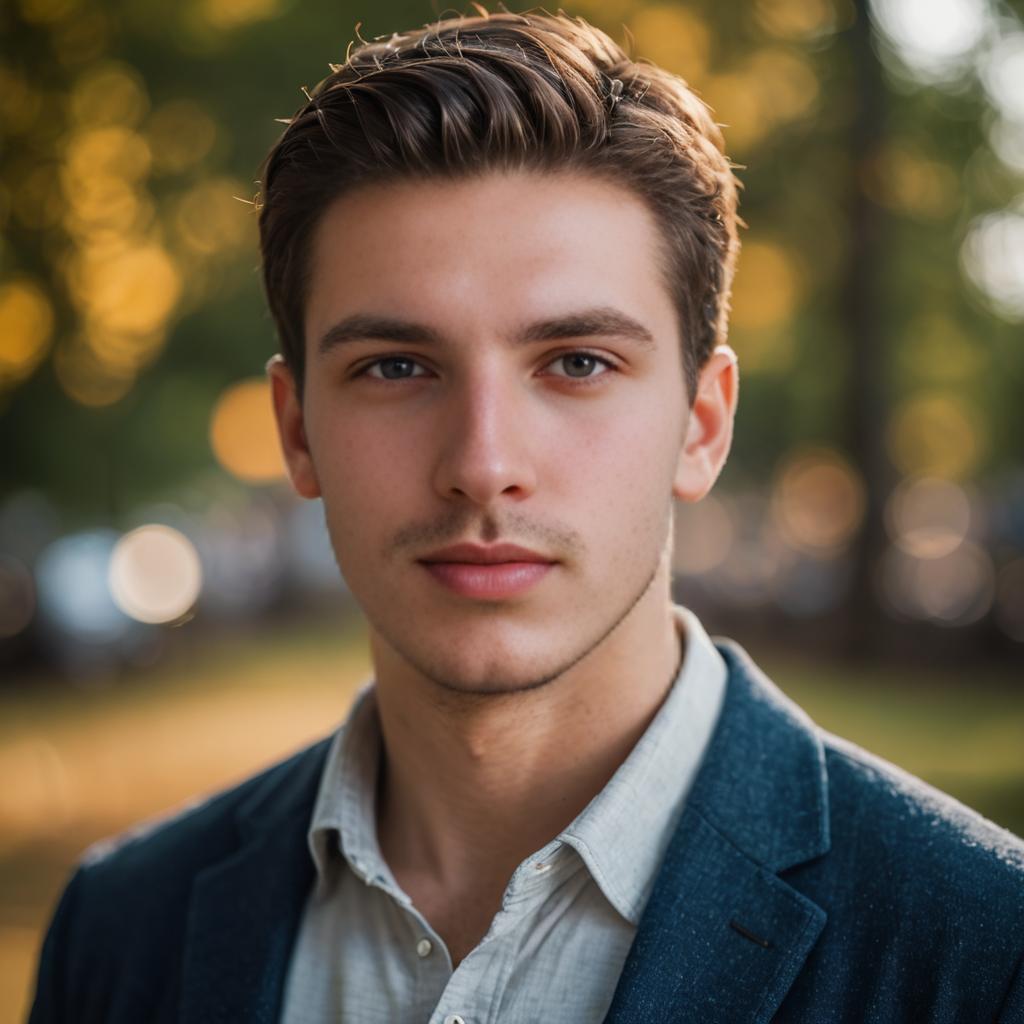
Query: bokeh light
{"type": "Point", "coordinates": [155, 574]}
{"type": "Point", "coordinates": [131, 289]}
{"type": "Point", "coordinates": [231, 14]}
{"type": "Point", "coordinates": [767, 287]}
{"type": "Point", "coordinates": [108, 93]}
{"type": "Point", "coordinates": [910, 182]}
{"type": "Point", "coordinates": [801, 20]}
{"type": "Point", "coordinates": [1003, 75]}
{"type": "Point", "coordinates": [993, 259]}
{"type": "Point", "coordinates": [771, 88]}
{"type": "Point", "coordinates": [937, 434]}
{"type": "Point", "coordinates": [1006, 138]}
{"type": "Point", "coordinates": [79, 41]}
{"type": "Point", "coordinates": [674, 37]}
{"type": "Point", "coordinates": [71, 578]}
{"type": "Point", "coordinates": [928, 518]}
{"type": "Point", "coordinates": [45, 12]}
{"type": "Point", "coordinates": [704, 532]}
{"type": "Point", "coordinates": [210, 219]}
{"type": "Point", "coordinates": [243, 433]}
{"type": "Point", "coordinates": [817, 501]}
{"type": "Point", "coordinates": [954, 590]}
{"type": "Point", "coordinates": [87, 379]}
{"type": "Point", "coordinates": [935, 39]}
{"type": "Point", "coordinates": [26, 323]}
{"type": "Point", "coordinates": [787, 86]}
{"type": "Point", "coordinates": [756, 557]}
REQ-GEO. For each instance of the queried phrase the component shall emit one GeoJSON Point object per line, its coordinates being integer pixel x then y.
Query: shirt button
{"type": "Point", "coordinates": [453, 1018]}
{"type": "Point", "coordinates": [424, 948]}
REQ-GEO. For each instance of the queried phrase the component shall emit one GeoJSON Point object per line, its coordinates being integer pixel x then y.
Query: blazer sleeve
{"type": "Point", "coordinates": [1013, 1005]}
{"type": "Point", "coordinates": [53, 980]}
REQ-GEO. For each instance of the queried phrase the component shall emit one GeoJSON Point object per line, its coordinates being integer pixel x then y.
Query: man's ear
{"type": "Point", "coordinates": [709, 428]}
{"type": "Point", "coordinates": [291, 429]}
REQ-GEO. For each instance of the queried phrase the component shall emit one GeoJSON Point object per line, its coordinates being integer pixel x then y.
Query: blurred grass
{"type": "Point", "coordinates": [84, 764]}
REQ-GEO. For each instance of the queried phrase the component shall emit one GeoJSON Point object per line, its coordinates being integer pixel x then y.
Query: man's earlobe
{"type": "Point", "coordinates": [709, 427]}
{"type": "Point", "coordinates": [291, 428]}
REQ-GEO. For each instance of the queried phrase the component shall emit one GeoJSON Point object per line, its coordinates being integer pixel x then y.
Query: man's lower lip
{"type": "Point", "coordinates": [502, 579]}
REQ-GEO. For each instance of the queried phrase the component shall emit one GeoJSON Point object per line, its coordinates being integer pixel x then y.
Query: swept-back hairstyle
{"type": "Point", "coordinates": [498, 92]}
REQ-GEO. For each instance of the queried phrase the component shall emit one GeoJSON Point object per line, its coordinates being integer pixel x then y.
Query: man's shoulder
{"type": "Point", "coordinates": [901, 827]}
{"type": "Point", "coordinates": [871, 811]}
{"type": "Point", "coordinates": [125, 913]}
{"type": "Point", "coordinates": [181, 842]}
{"type": "Point", "coordinates": [874, 842]}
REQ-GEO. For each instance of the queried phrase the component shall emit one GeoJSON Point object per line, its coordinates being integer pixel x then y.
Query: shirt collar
{"type": "Point", "coordinates": [344, 815]}
{"type": "Point", "coordinates": [621, 835]}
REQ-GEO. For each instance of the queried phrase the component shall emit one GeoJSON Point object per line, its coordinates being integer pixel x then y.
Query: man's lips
{"type": "Point", "coordinates": [487, 573]}
{"type": "Point", "coordinates": [479, 554]}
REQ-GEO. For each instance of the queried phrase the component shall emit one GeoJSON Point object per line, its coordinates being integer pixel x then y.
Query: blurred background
{"type": "Point", "coordinates": [171, 618]}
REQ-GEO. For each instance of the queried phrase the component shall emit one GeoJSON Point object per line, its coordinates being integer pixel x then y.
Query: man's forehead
{"type": "Point", "coordinates": [519, 248]}
{"type": "Point", "coordinates": [519, 213]}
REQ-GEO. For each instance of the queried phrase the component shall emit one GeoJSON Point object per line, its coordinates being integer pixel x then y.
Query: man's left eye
{"type": "Point", "coordinates": [581, 365]}
{"type": "Point", "coordinates": [393, 368]}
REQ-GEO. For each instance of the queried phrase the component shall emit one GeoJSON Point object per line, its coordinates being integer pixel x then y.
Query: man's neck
{"type": "Point", "coordinates": [470, 787]}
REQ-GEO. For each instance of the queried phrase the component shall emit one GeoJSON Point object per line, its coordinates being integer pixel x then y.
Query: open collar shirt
{"type": "Point", "coordinates": [554, 951]}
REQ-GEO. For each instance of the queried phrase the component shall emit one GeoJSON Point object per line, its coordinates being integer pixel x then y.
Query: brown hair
{"type": "Point", "coordinates": [502, 91]}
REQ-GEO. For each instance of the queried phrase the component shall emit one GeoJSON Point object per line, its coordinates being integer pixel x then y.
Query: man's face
{"type": "Point", "coordinates": [478, 389]}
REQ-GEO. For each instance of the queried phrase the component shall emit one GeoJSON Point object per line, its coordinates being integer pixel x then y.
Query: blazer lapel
{"type": "Point", "coordinates": [723, 937]}
{"type": "Point", "coordinates": [245, 910]}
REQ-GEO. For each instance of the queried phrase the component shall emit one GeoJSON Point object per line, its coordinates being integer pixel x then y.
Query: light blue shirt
{"type": "Point", "coordinates": [555, 949]}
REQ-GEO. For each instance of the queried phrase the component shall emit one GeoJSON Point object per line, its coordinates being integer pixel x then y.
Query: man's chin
{"type": "Point", "coordinates": [499, 675]}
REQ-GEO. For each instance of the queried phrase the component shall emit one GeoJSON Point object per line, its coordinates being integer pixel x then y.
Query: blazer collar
{"type": "Point", "coordinates": [723, 937]}
{"type": "Point", "coordinates": [245, 910]}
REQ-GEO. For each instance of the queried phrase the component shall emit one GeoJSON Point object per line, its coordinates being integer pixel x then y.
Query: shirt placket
{"type": "Point", "coordinates": [474, 993]}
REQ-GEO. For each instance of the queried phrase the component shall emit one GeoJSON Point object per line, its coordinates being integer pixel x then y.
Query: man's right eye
{"type": "Point", "coordinates": [392, 368]}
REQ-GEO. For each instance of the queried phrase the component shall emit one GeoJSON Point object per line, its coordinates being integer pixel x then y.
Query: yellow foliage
{"type": "Point", "coordinates": [131, 289]}
{"type": "Point", "coordinates": [767, 287]}
{"type": "Point", "coordinates": [673, 37]}
{"type": "Point", "coordinates": [88, 381]}
{"type": "Point", "coordinates": [107, 94]}
{"type": "Point", "coordinates": [26, 324]}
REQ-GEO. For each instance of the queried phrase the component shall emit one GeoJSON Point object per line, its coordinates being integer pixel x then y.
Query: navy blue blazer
{"type": "Point", "coordinates": [807, 881]}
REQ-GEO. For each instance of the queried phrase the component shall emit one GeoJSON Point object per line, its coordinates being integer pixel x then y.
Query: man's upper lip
{"type": "Point", "coordinates": [485, 555]}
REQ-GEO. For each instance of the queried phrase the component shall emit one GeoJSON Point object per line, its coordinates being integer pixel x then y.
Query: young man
{"type": "Point", "coordinates": [498, 254]}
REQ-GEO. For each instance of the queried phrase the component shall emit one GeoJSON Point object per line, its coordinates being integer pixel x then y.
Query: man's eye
{"type": "Point", "coordinates": [582, 365]}
{"type": "Point", "coordinates": [393, 368]}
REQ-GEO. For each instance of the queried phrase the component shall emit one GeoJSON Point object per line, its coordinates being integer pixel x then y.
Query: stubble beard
{"type": "Point", "coordinates": [496, 687]}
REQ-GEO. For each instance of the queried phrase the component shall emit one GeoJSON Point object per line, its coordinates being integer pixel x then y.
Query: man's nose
{"type": "Point", "coordinates": [485, 449]}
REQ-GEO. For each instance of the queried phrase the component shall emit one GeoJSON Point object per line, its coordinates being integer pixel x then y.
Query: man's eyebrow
{"type": "Point", "coordinates": [366, 327]}
{"type": "Point", "coordinates": [601, 321]}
